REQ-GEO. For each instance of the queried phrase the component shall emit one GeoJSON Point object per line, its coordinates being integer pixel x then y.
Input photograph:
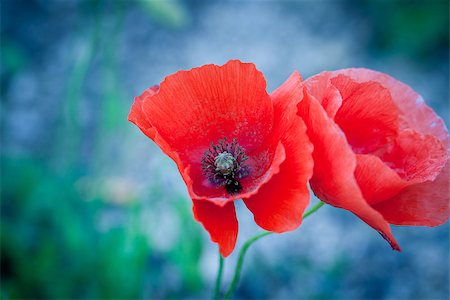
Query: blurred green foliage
{"type": "Point", "coordinates": [54, 241]}
{"type": "Point", "coordinates": [12, 58]}
{"type": "Point", "coordinates": [12, 61]}
{"type": "Point", "coordinates": [55, 246]}
{"type": "Point", "coordinates": [170, 13]}
{"type": "Point", "coordinates": [411, 28]}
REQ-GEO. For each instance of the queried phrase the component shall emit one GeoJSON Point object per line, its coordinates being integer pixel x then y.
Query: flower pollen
{"type": "Point", "coordinates": [223, 165]}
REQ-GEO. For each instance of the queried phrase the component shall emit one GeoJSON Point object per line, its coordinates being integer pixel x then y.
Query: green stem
{"type": "Point", "coordinates": [240, 262]}
{"type": "Point", "coordinates": [219, 278]}
{"type": "Point", "coordinates": [248, 243]}
{"type": "Point", "coordinates": [313, 209]}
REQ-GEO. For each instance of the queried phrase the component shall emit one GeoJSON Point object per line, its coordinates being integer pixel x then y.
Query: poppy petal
{"type": "Point", "coordinates": [416, 157]}
{"type": "Point", "coordinates": [376, 180]}
{"type": "Point", "coordinates": [321, 88]}
{"type": "Point", "coordinates": [137, 115]}
{"type": "Point", "coordinates": [195, 108]}
{"type": "Point", "coordinates": [139, 118]}
{"type": "Point", "coordinates": [333, 179]}
{"type": "Point", "coordinates": [279, 204]}
{"type": "Point", "coordinates": [367, 127]}
{"type": "Point", "coordinates": [423, 204]}
{"type": "Point", "coordinates": [415, 113]}
{"type": "Point", "coordinates": [220, 222]}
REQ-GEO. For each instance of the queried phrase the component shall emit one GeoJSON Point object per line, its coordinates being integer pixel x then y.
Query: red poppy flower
{"type": "Point", "coordinates": [379, 150]}
{"type": "Point", "coordinates": [231, 140]}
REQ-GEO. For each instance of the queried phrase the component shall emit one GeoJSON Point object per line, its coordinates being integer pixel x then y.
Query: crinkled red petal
{"type": "Point", "coordinates": [279, 204]}
{"type": "Point", "coordinates": [137, 115]}
{"type": "Point", "coordinates": [413, 152]}
{"type": "Point", "coordinates": [220, 222]}
{"type": "Point", "coordinates": [321, 88]}
{"type": "Point", "coordinates": [195, 108]}
{"type": "Point", "coordinates": [423, 204]}
{"type": "Point", "coordinates": [415, 114]}
{"type": "Point", "coordinates": [376, 180]}
{"type": "Point", "coordinates": [368, 116]}
{"type": "Point", "coordinates": [333, 179]}
{"type": "Point", "coordinates": [416, 157]}
{"type": "Point", "coordinates": [139, 118]}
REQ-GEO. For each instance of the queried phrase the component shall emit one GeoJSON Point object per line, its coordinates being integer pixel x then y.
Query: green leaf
{"type": "Point", "coordinates": [169, 13]}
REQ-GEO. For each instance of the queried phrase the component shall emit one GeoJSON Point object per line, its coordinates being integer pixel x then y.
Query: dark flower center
{"type": "Point", "coordinates": [223, 165]}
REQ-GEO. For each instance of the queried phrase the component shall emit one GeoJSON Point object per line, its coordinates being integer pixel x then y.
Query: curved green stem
{"type": "Point", "coordinates": [313, 209]}
{"type": "Point", "coordinates": [218, 278]}
{"type": "Point", "coordinates": [240, 262]}
{"type": "Point", "coordinates": [248, 243]}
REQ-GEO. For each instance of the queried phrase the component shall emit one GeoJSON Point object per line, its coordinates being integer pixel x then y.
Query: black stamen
{"type": "Point", "coordinates": [223, 165]}
{"type": "Point", "coordinates": [233, 186]}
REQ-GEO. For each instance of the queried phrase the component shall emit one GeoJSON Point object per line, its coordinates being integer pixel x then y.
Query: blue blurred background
{"type": "Point", "coordinates": [90, 208]}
